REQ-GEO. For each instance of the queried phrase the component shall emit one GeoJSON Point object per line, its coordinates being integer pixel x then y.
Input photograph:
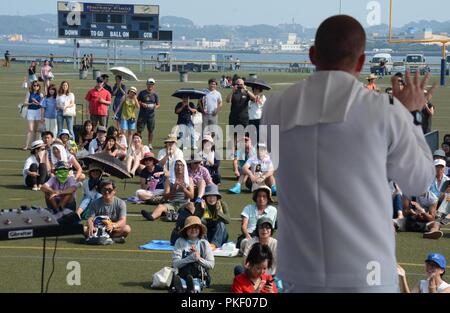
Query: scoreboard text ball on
{"type": "Point", "coordinates": [108, 21]}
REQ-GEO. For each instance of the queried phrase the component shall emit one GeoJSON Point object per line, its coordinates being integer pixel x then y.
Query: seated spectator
{"type": "Point", "coordinates": [121, 141]}
{"type": "Point", "coordinates": [91, 189]}
{"type": "Point", "coordinates": [60, 189]}
{"type": "Point", "coordinates": [136, 152]}
{"type": "Point", "coordinates": [178, 191]}
{"type": "Point", "coordinates": [95, 146]}
{"type": "Point", "coordinates": [201, 178]}
{"type": "Point", "coordinates": [420, 215]}
{"type": "Point", "coordinates": [59, 153]}
{"type": "Point", "coordinates": [263, 235]}
{"type": "Point", "coordinates": [69, 144]}
{"type": "Point", "coordinates": [209, 160]}
{"type": "Point", "coordinates": [152, 178]}
{"type": "Point", "coordinates": [170, 153]}
{"type": "Point", "coordinates": [35, 170]}
{"type": "Point", "coordinates": [439, 179]}
{"type": "Point", "coordinates": [111, 206]}
{"type": "Point", "coordinates": [214, 214]}
{"type": "Point", "coordinates": [110, 147]}
{"type": "Point", "coordinates": [239, 160]}
{"type": "Point", "coordinates": [260, 169]}
{"type": "Point", "coordinates": [85, 137]}
{"type": "Point", "coordinates": [440, 155]}
{"type": "Point", "coordinates": [262, 196]}
{"type": "Point", "coordinates": [435, 265]}
{"type": "Point", "coordinates": [254, 279]}
{"type": "Point", "coordinates": [193, 258]}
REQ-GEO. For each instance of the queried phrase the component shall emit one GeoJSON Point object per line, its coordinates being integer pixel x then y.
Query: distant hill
{"type": "Point", "coordinates": [44, 25]}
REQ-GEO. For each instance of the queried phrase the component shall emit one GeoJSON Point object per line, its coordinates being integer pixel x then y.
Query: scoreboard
{"type": "Point", "coordinates": [108, 21]}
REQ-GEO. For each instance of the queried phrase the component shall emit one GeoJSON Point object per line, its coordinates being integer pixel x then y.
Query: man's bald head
{"type": "Point", "coordinates": [340, 42]}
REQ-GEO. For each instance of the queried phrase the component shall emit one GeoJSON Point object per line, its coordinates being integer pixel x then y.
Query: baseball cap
{"type": "Point", "coordinates": [439, 162]}
{"type": "Point", "coordinates": [101, 129]}
{"type": "Point", "coordinates": [151, 81]}
{"type": "Point", "coordinates": [439, 153]}
{"type": "Point", "coordinates": [264, 220]}
{"type": "Point", "coordinates": [437, 258]}
{"type": "Point", "coordinates": [64, 132]}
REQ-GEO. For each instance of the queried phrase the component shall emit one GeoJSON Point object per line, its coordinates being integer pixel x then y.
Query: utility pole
{"type": "Point", "coordinates": [340, 7]}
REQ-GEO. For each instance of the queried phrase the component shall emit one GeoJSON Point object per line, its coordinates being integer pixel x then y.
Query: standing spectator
{"type": "Point", "coordinates": [371, 85]}
{"type": "Point", "coordinates": [48, 110]}
{"type": "Point", "coordinates": [99, 100]}
{"type": "Point", "coordinates": [184, 110]}
{"type": "Point", "coordinates": [212, 104]}
{"type": "Point", "coordinates": [126, 111]}
{"type": "Point", "coordinates": [427, 113]}
{"type": "Point", "coordinates": [32, 72]}
{"type": "Point", "coordinates": [52, 60]}
{"type": "Point", "coordinates": [7, 59]}
{"type": "Point", "coordinates": [255, 108]}
{"type": "Point", "coordinates": [91, 60]}
{"type": "Point", "coordinates": [223, 82]}
{"type": "Point", "coordinates": [119, 92]}
{"type": "Point", "coordinates": [65, 108]}
{"type": "Point", "coordinates": [239, 99]}
{"type": "Point", "coordinates": [105, 78]}
{"type": "Point", "coordinates": [46, 74]}
{"type": "Point", "coordinates": [149, 102]}
{"type": "Point", "coordinates": [237, 64]}
{"type": "Point", "coordinates": [33, 100]}
{"type": "Point", "coordinates": [35, 170]}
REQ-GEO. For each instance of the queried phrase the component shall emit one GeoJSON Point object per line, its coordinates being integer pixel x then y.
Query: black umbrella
{"type": "Point", "coordinates": [108, 163]}
{"type": "Point", "coordinates": [258, 83]}
{"type": "Point", "coordinates": [191, 93]}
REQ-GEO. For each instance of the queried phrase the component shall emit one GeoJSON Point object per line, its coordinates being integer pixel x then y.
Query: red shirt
{"type": "Point", "coordinates": [242, 284]}
{"type": "Point", "coordinates": [93, 97]}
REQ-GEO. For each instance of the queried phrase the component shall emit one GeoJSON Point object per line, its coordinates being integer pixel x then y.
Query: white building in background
{"type": "Point", "coordinates": [425, 34]}
{"type": "Point", "coordinates": [213, 44]}
{"type": "Point", "coordinates": [293, 44]}
{"type": "Point", "coordinates": [15, 37]}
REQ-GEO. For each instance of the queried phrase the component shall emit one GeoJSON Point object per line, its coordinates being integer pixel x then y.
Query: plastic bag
{"type": "Point", "coordinates": [23, 110]}
{"type": "Point", "coordinates": [163, 278]}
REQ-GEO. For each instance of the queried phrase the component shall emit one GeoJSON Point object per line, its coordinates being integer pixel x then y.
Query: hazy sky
{"type": "Point", "coordinates": [250, 12]}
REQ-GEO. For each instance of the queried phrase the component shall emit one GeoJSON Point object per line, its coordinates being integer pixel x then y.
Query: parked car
{"type": "Point", "coordinates": [416, 62]}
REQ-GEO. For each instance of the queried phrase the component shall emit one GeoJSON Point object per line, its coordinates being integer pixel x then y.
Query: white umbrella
{"type": "Point", "coordinates": [125, 72]}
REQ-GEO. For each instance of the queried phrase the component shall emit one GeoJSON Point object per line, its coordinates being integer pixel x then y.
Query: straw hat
{"type": "Point", "coordinates": [256, 188]}
{"type": "Point", "coordinates": [372, 76]}
{"type": "Point", "coordinates": [191, 221]}
{"type": "Point", "coordinates": [170, 138]}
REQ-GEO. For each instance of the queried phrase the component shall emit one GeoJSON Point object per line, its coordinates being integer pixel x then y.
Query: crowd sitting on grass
{"type": "Point", "coordinates": [185, 191]}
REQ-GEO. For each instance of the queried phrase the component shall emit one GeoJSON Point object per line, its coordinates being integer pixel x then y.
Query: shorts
{"type": "Point", "coordinates": [34, 115]}
{"type": "Point", "coordinates": [99, 119]}
{"type": "Point", "coordinates": [149, 121]}
{"type": "Point", "coordinates": [128, 124]}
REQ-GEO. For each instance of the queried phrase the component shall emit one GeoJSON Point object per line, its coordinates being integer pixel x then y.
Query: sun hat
{"type": "Point", "coordinates": [212, 190]}
{"type": "Point", "coordinates": [257, 188]}
{"type": "Point", "coordinates": [191, 221]}
{"type": "Point", "coordinates": [149, 156]}
{"type": "Point", "coordinates": [37, 144]}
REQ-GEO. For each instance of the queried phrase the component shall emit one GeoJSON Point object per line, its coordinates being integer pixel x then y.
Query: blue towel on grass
{"type": "Point", "coordinates": [161, 245]}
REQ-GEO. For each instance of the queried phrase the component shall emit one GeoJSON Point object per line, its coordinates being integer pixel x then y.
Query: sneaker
{"type": "Point", "coordinates": [35, 188]}
{"type": "Point", "coordinates": [433, 234]}
{"type": "Point", "coordinates": [148, 216]}
{"type": "Point", "coordinates": [190, 284]}
{"type": "Point", "coordinates": [120, 240]}
{"type": "Point", "coordinates": [274, 190]}
{"type": "Point", "coordinates": [236, 189]}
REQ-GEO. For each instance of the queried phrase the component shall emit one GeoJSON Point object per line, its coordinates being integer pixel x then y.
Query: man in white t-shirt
{"type": "Point", "coordinates": [212, 103]}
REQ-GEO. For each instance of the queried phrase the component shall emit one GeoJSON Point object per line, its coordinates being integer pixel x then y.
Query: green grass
{"type": "Point", "coordinates": [124, 268]}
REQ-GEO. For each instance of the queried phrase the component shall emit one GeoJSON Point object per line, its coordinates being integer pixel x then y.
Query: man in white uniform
{"type": "Point", "coordinates": [339, 144]}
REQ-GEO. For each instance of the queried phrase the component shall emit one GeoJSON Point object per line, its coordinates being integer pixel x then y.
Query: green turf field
{"type": "Point", "coordinates": [124, 268]}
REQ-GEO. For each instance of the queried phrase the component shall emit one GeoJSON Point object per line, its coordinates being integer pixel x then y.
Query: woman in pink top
{"type": "Point", "coordinates": [46, 74]}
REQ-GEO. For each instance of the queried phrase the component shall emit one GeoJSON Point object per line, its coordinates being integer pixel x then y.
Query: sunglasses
{"type": "Point", "coordinates": [107, 190]}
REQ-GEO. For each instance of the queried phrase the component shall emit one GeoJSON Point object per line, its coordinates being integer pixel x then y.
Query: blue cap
{"type": "Point", "coordinates": [437, 258]}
